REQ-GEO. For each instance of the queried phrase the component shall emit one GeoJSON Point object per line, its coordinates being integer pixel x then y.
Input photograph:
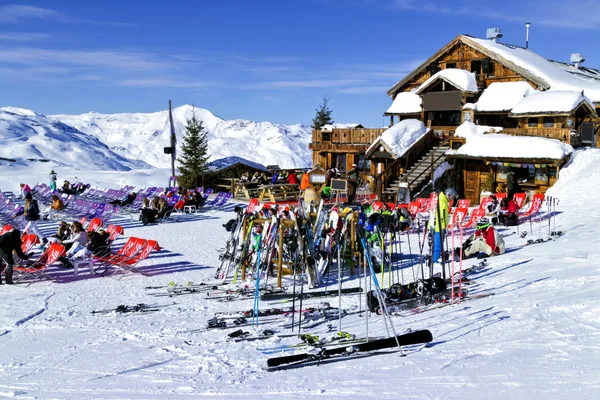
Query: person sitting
{"type": "Point", "coordinates": [63, 232]}
{"type": "Point", "coordinates": [97, 245]}
{"type": "Point", "coordinates": [57, 205]}
{"type": "Point", "coordinates": [492, 209]}
{"type": "Point", "coordinates": [245, 177]}
{"type": "Point", "coordinates": [292, 179]}
{"type": "Point", "coordinates": [508, 213]}
{"type": "Point", "coordinates": [274, 178]}
{"type": "Point", "coordinates": [10, 242]}
{"type": "Point", "coordinates": [255, 177]}
{"type": "Point", "coordinates": [66, 187]}
{"type": "Point", "coordinates": [404, 219]}
{"type": "Point", "coordinates": [485, 242]}
{"type": "Point", "coordinates": [148, 214]}
{"type": "Point", "coordinates": [77, 239]}
{"type": "Point", "coordinates": [130, 198]}
{"type": "Point", "coordinates": [264, 180]}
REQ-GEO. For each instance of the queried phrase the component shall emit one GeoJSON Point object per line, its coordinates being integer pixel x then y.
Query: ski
{"type": "Point", "coordinates": [270, 311]}
{"type": "Point", "coordinates": [138, 308]}
{"type": "Point", "coordinates": [308, 295]}
{"type": "Point", "coordinates": [406, 339]}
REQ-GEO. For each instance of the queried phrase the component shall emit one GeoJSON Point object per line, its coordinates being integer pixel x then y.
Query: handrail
{"type": "Point", "coordinates": [431, 163]}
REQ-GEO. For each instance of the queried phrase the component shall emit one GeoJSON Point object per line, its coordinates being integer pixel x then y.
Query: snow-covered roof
{"type": "Point", "coordinates": [459, 78]}
{"type": "Point", "coordinates": [503, 96]}
{"type": "Point", "coordinates": [470, 106]}
{"type": "Point", "coordinates": [557, 76]}
{"type": "Point", "coordinates": [328, 127]}
{"type": "Point", "coordinates": [497, 145]}
{"type": "Point", "coordinates": [552, 102]}
{"type": "Point", "coordinates": [400, 137]}
{"type": "Point", "coordinates": [405, 103]}
{"type": "Point", "coordinates": [227, 162]}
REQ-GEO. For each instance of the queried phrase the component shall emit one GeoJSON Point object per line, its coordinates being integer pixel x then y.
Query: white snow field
{"type": "Point", "coordinates": [537, 337]}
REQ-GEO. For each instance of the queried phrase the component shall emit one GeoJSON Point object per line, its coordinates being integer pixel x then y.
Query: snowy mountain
{"type": "Point", "coordinates": [142, 136]}
{"type": "Point", "coordinates": [27, 137]}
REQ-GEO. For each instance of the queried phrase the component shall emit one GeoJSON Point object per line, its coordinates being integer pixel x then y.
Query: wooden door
{"type": "Point", "coordinates": [472, 184]}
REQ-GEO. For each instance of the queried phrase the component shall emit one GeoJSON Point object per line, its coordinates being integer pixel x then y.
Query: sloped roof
{"type": "Point", "coordinates": [227, 162]}
{"type": "Point", "coordinates": [405, 103]}
{"type": "Point", "coordinates": [552, 102]}
{"type": "Point", "coordinates": [546, 74]}
{"type": "Point", "coordinates": [398, 139]}
{"type": "Point", "coordinates": [459, 78]}
{"type": "Point", "coordinates": [503, 96]}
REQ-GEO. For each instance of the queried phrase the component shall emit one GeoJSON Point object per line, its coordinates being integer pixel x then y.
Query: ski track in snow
{"type": "Point", "coordinates": [537, 337]}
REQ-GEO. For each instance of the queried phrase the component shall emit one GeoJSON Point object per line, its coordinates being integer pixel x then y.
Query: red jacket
{"type": "Point", "coordinates": [292, 179]}
{"type": "Point", "coordinates": [488, 236]}
{"type": "Point", "coordinates": [511, 207]}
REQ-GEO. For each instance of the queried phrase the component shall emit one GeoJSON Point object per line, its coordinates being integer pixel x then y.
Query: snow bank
{"type": "Point", "coordinates": [400, 137]}
{"type": "Point", "coordinates": [405, 103]}
{"type": "Point", "coordinates": [328, 127]}
{"type": "Point", "coordinates": [503, 96]}
{"type": "Point", "coordinates": [143, 136]}
{"type": "Point", "coordinates": [559, 77]}
{"type": "Point", "coordinates": [496, 145]}
{"type": "Point", "coordinates": [459, 78]}
{"type": "Point", "coordinates": [552, 101]}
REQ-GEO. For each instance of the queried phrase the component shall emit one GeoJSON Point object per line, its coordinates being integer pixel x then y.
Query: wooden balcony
{"type": "Point", "coordinates": [562, 134]}
{"type": "Point", "coordinates": [347, 136]}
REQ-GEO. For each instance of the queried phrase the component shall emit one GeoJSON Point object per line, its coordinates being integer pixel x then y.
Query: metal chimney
{"type": "Point", "coordinates": [577, 58]}
{"type": "Point", "coordinates": [527, 26]}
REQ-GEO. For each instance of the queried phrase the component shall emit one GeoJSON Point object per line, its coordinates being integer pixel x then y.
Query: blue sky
{"type": "Point", "coordinates": [268, 60]}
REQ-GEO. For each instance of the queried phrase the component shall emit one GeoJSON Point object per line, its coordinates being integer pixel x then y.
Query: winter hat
{"type": "Point", "coordinates": [52, 172]}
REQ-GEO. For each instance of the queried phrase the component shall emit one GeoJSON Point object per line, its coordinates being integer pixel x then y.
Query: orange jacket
{"type": "Point", "coordinates": [305, 183]}
{"type": "Point", "coordinates": [57, 204]}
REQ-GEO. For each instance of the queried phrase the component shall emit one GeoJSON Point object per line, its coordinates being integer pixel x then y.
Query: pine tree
{"type": "Point", "coordinates": [323, 116]}
{"type": "Point", "coordinates": [194, 154]}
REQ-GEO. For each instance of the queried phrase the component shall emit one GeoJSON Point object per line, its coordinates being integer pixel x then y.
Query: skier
{"type": "Point", "coordinates": [508, 213]}
{"type": "Point", "coordinates": [9, 242]}
{"type": "Point", "coordinates": [441, 220]}
{"type": "Point", "coordinates": [485, 242]}
{"type": "Point", "coordinates": [52, 180]}
{"type": "Point", "coordinates": [32, 215]}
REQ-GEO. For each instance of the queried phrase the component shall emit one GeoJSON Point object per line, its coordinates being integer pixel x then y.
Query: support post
{"type": "Point", "coordinates": [173, 145]}
{"type": "Point", "coordinates": [280, 257]}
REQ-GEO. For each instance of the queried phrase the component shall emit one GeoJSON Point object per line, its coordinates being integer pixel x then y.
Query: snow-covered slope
{"type": "Point", "coordinates": [143, 136]}
{"type": "Point", "coordinates": [27, 137]}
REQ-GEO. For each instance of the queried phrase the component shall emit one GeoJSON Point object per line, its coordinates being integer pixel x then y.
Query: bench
{"type": "Point", "coordinates": [245, 190]}
{"type": "Point", "coordinates": [279, 192]}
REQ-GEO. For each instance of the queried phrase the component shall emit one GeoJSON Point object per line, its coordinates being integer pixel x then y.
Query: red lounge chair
{"type": "Point", "coordinates": [37, 270]}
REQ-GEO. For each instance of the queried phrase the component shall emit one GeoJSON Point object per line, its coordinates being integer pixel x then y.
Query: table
{"type": "Point", "coordinates": [245, 190]}
{"type": "Point", "coordinates": [280, 191]}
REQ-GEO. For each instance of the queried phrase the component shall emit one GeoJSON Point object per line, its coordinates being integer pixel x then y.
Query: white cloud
{"type": "Point", "coordinates": [17, 12]}
{"type": "Point", "coordinates": [23, 36]}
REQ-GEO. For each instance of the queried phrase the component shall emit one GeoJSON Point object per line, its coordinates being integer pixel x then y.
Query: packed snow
{"type": "Point", "coordinates": [459, 78]}
{"type": "Point", "coordinates": [350, 125]}
{"type": "Point", "coordinates": [497, 145]}
{"type": "Point", "coordinates": [503, 96]}
{"type": "Point", "coordinates": [557, 76]}
{"type": "Point", "coordinates": [405, 103]}
{"type": "Point", "coordinates": [142, 136]}
{"type": "Point", "coordinates": [551, 101]}
{"type": "Point", "coordinates": [534, 338]}
{"type": "Point", "coordinates": [400, 137]}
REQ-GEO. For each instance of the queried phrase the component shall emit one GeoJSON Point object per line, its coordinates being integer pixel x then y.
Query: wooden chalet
{"type": "Point", "coordinates": [509, 88]}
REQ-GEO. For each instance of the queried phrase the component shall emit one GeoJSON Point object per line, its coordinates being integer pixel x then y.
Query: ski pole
{"type": "Point", "coordinates": [339, 265]}
{"type": "Point", "coordinates": [410, 256]}
{"type": "Point", "coordinates": [452, 276]}
{"type": "Point", "coordinates": [549, 206]}
{"type": "Point", "coordinates": [460, 264]}
{"type": "Point", "coordinates": [294, 300]}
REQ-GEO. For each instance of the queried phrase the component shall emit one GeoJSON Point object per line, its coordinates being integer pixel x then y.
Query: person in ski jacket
{"type": "Point", "coordinates": [404, 219]}
{"type": "Point", "coordinates": [508, 213]}
{"type": "Point", "coordinates": [57, 205]}
{"type": "Point", "coordinates": [10, 242]}
{"type": "Point", "coordinates": [25, 189]}
{"type": "Point", "coordinates": [245, 177]}
{"type": "Point", "coordinates": [441, 211]}
{"type": "Point", "coordinates": [63, 232]}
{"type": "Point", "coordinates": [130, 198]}
{"type": "Point", "coordinates": [492, 209]}
{"type": "Point", "coordinates": [292, 179]}
{"type": "Point", "coordinates": [52, 180]}
{"type": "Point", "coordinates": [274, 178]}
{"type": "Point", "coordinates": [255, 177]}
{"type": "Point", "coordinates": [485, 242]}
{"type": "Point", "coordinates": [77, 239]}
{"type": "Point", "coordinates": [32, 215]}
{"type": "Point", "coordinates": [353, 177]}
{"type": "Point", "coordinates": [305, 183]}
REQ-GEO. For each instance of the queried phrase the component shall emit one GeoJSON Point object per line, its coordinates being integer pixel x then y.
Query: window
{"type": "Point", "coordinates": [363, 163]}
{"type": "Point", "coordinates": [476, 67]}
{"type": "Point", "coordinates": [326, 136]}
{"type": "Point", "coordinates": [450, 65]}
{"type": "Point", "coordinates": [548, 122]}
{"type": "Point", "coordinates": [532, 122]}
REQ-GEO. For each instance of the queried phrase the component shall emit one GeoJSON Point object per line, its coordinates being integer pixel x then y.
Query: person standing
{"type": "Point", "coordinates": [353, 178]}
{"type": "Point", "coordinates": [10, 242]}
{"type": "Point", "coordinates": [52, 180]}
{"type": "Point", "coordinates": [441, 220]}
{"type": "Point", "coordinates": [32, 215]}
{"type": "Point", "coordinates": [25, 189]}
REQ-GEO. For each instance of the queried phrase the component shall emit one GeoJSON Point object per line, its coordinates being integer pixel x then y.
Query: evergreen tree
{"type": "Point", "coordinates": [194, 154]}
{"type": "Point", "coordinates": [323, 116]}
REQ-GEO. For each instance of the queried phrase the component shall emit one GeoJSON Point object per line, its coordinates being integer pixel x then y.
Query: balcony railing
{"type": "Point", "coordinates": [562, 134]}
{"type": "Point", "coordinates": [347, 136]}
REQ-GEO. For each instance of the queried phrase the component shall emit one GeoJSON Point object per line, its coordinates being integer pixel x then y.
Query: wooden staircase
{"type": "Point", "coordinates": [419, 173]}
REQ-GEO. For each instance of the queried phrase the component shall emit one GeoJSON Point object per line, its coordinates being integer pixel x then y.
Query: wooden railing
{"type": "Point", "coordinates": [347, 136]}
{"type": "Point", "coordinates": [562, 134]}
